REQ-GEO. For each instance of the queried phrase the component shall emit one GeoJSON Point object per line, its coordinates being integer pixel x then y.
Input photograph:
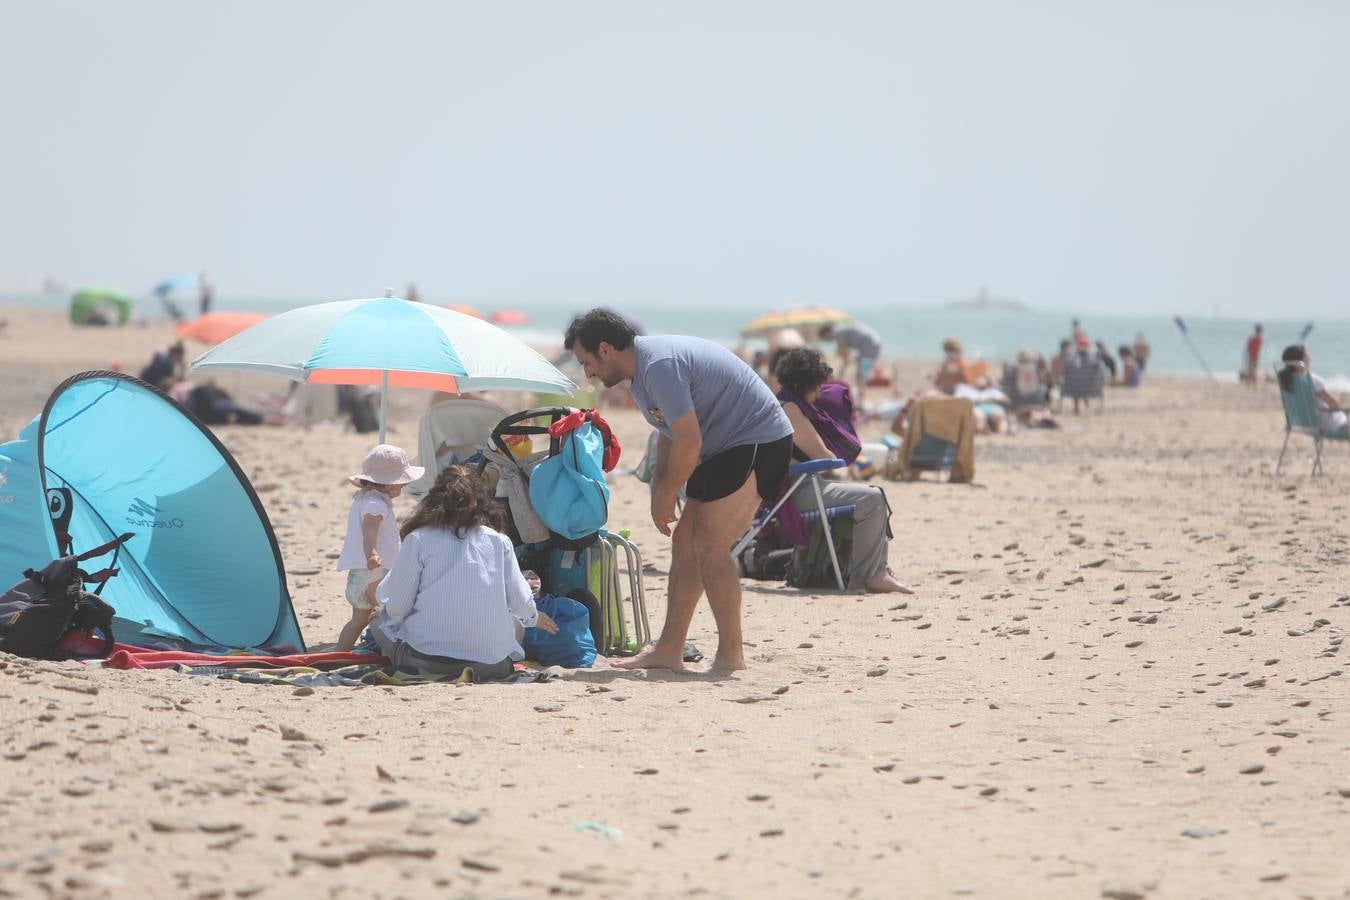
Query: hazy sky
{"type": "Point", "coordinates": [1151, 156]}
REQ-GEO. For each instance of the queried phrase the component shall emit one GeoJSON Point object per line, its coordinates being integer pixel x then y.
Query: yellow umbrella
{"type": "Point", "coordinates": [799, 317]}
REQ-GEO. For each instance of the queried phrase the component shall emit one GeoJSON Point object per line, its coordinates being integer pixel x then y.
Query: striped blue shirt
{"type": "Point", "coordinates": [457, 597]}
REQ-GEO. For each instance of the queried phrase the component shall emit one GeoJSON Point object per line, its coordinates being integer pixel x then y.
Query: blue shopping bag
{"type": "Point", "coordinates": [572, 647]}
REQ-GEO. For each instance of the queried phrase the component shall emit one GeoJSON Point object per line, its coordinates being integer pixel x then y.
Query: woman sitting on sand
{"type": "Point", "coordinates": [455, 595]}
{"type": "Point", "coordinates": [1296, 360]}
{"type": "Point", "coordinates": [821, 412]}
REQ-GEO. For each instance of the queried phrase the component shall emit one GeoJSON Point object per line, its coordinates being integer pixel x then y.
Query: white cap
{"type": "Point", "coordinates": [386, 464]}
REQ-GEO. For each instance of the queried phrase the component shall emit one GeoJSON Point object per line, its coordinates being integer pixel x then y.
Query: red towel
{"type": "Point", "coordinates": [124, 656]}
{"type": "Point", "coordinates": [575, 420]}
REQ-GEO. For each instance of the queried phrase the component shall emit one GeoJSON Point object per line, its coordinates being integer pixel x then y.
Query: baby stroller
{"type": "Point", "coordinates": [597, 567]}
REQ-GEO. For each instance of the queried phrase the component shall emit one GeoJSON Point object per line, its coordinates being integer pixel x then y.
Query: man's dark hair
{"type": "Point", "coordinates": [802, 369]}
{"type": "Point", "coordinates": [596, 327]}
{"type": "Point", "coordinates": [826, 332]}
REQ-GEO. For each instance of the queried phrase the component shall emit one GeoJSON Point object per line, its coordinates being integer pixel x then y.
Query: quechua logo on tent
{"type": "Point", "coordinates": [147, 515]}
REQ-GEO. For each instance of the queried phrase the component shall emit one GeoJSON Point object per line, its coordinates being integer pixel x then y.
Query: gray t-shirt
{"type": "Point", "coordinates": [859, 338]}
{"type": "Point", "coordinates": [675, 374]}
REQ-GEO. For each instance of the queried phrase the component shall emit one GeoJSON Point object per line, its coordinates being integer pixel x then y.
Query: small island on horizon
{"type": "Point", "coordinates": [984, 300]}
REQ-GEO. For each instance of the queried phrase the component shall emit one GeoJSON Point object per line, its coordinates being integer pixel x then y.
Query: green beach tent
{"type": "Point", "coordinates": [99, 306]}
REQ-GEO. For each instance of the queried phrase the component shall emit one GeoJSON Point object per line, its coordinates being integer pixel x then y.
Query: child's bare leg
{"type": "Point", "coordinates": [351, 632]}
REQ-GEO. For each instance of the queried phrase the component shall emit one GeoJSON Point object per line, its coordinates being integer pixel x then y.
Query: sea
{"type": "Point", "coordinates": [1197, 346]}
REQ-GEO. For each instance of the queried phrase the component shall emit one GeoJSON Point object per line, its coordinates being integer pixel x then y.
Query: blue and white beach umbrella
{"type": "Point", "coordinates": [389, 342]}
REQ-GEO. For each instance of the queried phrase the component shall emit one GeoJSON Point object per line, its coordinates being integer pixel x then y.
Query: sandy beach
{"type": "Point", "coordinates": [1121, 675]}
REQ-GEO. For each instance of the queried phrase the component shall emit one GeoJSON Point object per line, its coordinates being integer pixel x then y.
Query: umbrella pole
{"type": "Point", "coordinates": [384, 400]}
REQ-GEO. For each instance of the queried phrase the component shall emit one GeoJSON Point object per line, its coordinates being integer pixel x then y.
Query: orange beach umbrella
{"type": "Point", "coordinates": [214, 327]}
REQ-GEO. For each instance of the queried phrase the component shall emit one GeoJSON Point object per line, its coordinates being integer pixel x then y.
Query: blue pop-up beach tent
{"type": "Point", "coordinates": [203, 567]}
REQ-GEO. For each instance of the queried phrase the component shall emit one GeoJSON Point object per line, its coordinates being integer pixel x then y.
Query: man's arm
{"type": "Point", "coordinates": [676, 462]}
{"type": "Point", "coordinates": [662, 457]}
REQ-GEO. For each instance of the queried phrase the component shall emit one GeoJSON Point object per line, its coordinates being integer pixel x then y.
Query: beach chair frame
{"type": "Point", "coordinates": [812, 469]}
{"type": "Point", "coordinates": [1084, 378]}
{"type": "Point", "coordinates": [616, 638]}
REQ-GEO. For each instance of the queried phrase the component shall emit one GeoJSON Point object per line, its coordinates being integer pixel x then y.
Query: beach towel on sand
{"type": "Point", "coordinates": [354, 676]}
{"type": "Point", "coordinates": [125, 656]}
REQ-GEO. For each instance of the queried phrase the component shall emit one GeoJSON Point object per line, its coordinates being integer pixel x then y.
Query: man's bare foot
{"type": "Point", "coordinates": [653, 658]}
{"type": "Point", "coordinates": [730, 664]}
{"type": "Point", "coordinates": [886, 583]}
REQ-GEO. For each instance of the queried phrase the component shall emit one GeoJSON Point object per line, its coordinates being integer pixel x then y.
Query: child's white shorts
{"type": "Point", "coordinates": [357, 582]}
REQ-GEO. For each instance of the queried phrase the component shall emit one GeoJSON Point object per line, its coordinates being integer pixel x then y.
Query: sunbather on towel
{"type": "Point", "coordinates": [821, 429]}
{"type": "Point", "coordinates": [455, 595]}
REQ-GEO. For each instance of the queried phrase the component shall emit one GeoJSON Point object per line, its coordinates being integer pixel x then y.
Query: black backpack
{"type": "Point", "coordinates": [42, 609]}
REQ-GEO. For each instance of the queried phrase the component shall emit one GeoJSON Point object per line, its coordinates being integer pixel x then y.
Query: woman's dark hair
{"type": "Point", "coordinates": [599, 326]}
{"type": "Point", "coordinates": [1124, 352]}
{"type": "Point", "coordinates": [458, 500]}
{"type": "Point", "coordinates": [1292, 356]}
{"type": "Point", "coordinates": [802, 370]}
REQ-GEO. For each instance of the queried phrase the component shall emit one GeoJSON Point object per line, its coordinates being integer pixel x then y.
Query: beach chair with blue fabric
{"type": "Point", "coordinates": [812, 470]}
{"type": "Point", "coordinates": [1084, 378]}
{"type": "Point", "coordinates": [1301, 416]}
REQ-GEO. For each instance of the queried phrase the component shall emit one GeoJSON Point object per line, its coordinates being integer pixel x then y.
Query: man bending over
{"type": "Point", "coordinates": [724, 438]}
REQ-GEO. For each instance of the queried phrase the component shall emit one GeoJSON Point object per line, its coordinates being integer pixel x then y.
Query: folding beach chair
{"type": "Point", "coordinates": [940, 437]}
{"type": "Point", "coordinates": [811, 469]}
{"type": "Point", "coordinates": [1022, 383]}
{"type": "Point", "coordinates": [1301, 416]}
{"type": "Point", "coordinates": [1084, 377]}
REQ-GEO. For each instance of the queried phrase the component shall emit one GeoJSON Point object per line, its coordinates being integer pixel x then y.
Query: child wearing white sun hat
{"type": "Point", "coordinates": [372, 533]}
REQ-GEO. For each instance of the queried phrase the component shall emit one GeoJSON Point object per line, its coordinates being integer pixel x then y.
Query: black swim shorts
{"type": "Point", "coordinates": [723, 474]}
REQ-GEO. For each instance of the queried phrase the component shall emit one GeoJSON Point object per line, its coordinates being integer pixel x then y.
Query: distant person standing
{"type": "Point", "coordinates": [413, 294]}
{"type": "Point", "coordinates": [855, 340]}
{"type": "Point", "coordinates": [1253, 360]}
{"type": "Point", "coordinates": [205, 292]}
{"type": "Point", "coordinates": [1142, 351]}
{"type": "Point", "coordinates": [1078, 331]}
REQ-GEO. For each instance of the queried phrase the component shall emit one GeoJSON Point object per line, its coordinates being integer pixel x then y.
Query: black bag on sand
{"type": "Point", "coordinates": [42, 609]}
{"type": "Point", "coordinates": [810, 566]}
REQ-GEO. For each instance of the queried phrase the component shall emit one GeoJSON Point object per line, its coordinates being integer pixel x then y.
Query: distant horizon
{"type": "Point", "coordinates": [188, 301]}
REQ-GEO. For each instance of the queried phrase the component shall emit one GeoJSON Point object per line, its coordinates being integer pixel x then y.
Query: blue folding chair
{"type": "Point", "coordinates": [812, 469]}
{"type": "Point", "coordinates": [1301, 416]}
{"type": "Point", "coordinates": [1084, 375]}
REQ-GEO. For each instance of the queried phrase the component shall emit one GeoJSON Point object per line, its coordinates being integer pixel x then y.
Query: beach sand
{"type": "Point", "coordinates": [1120, 676]}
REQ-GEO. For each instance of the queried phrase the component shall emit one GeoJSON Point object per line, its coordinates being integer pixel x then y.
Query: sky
{"type": "Point", "coordinates": [1142, 156]}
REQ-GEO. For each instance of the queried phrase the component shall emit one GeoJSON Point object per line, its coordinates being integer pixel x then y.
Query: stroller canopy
{"type": "Point", "coordinates": [108, 455]}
